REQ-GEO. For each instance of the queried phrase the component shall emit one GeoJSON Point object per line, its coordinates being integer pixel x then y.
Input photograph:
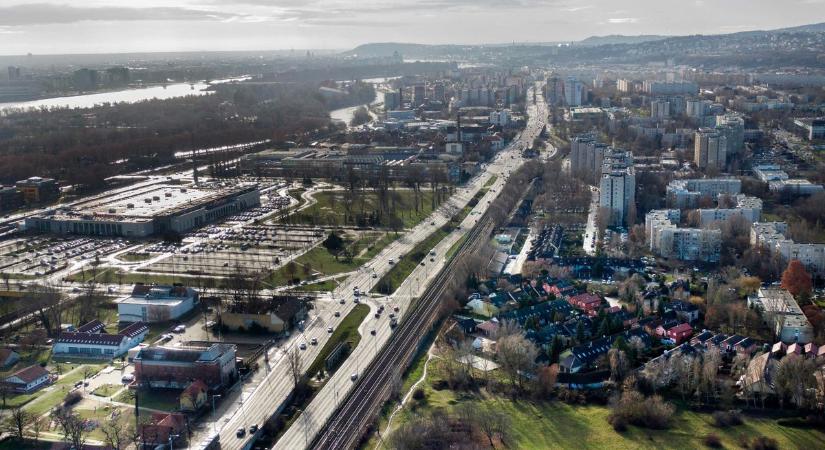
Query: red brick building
{"type": "Point", "coordinates": [586, 302]}
{"type": "Point", "coordinates": [177, 367]}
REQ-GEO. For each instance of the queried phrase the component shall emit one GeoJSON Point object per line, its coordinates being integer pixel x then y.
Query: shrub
{"type": "Point", "coordinates": [764, 443]}
{"type": "Point", "coordinates": [713, 441]}
{"type": "Point", "coordinates": [72, 398]}
{"type": "Point", "coordinates": [633, 408]}
{"type": "Point", "coordinates": [419, 394]}
{"type": "Point", "coordinates": [725, 419]}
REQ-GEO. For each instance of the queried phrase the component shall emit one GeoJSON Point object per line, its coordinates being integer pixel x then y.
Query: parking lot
{"type": "Point", "coordinates": [38, 256]}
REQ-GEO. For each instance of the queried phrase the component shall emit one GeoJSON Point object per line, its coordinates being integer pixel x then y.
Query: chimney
{"type": "Point", "coordinates": [458, 127]}
{"type": "Point", "coordinates": [194, 167]}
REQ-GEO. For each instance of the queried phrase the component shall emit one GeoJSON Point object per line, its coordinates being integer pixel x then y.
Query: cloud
{"type": "Point", "coordinates": [623, 20]}
{"type": "Point", "coordinates": [45, 13]}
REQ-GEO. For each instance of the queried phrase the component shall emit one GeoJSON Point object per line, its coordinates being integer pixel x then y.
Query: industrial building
{"type": "Point", "coordinates": [156, 303]}
{"type": "Point", "coordinates": [156, 209]}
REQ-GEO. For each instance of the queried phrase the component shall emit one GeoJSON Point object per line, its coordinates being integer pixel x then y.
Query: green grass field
{"type": "Point", "coordinates": [346, 332]}
{"type": "Point", "coordinates": [107, 390]}
{"type": "Point", "coordinates": [44, 400]}
{"type": "Point", "coordinates": [331, 208]}
{"type": "Point", "coordinates": [558, 425]}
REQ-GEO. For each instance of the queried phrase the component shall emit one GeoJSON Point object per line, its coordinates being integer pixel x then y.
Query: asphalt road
{"type": "Point", "coordinates": [302, 432]}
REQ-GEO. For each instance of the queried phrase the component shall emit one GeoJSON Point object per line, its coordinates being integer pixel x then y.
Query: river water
{"type": "Point", "coordinates": [127, 95]}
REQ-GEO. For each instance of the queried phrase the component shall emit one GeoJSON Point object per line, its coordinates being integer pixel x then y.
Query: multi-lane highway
{"type": "Point", "coordinates": [344, 430]}
{"type": "Point", "coordinates": [259, 405]}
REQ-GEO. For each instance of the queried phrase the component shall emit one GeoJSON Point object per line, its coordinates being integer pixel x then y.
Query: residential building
{"type": "Point", "coordinates": [687, 193]}
{"type": "Point", "coordinates": [746, 206]}
{"type": "Point", "coordinates": [392, 101]}
{"type": "Point", "coordinates": [698, 109]}
{"type": "Point", "coordinates": [163, 429]}
{"type": "Point", "coordinates": [28, 380]}
{"type": "Point", "coordinates": [771, 235]}
{"type": "Point", "coordinates": [586, 302]}
{"type": "Point", "coordinates": [617, 186]}
{"type": "Point", "coordinates": [660, 109]}
{"type": "Point", "coordinates": [732, 127]}
{"type": "Point", "coordinates": [782, 313]}
{"type": "Point", "coordinates": [500, 117]}
{"type": "Point", "coordinates": [585, 356]}
{"type": "Point", "coordinates": [573, 92]}
{"type": "Point", "coordinates": [710, 149]}
{"type": "Point", "coordinates": [655, 88]}
{"type": "Point", "coordinates": [176, 367]}
{"type": "Point", "coordinates": [624, 85]}
{"type": "Point", "coordinates": [814, 128]}
{"type": "Point", "coordinates": [194, 396]}
{"type": "Point", "coordinates": [156, 303]}
{"type": "Point", "coordinates": [586, 157]}
{"type": "Point", "coordinates": [667, 240]}
{"type": "Point", "coordinates": [38, 190]}
{"type": "Point", "coordinates": [679, 333]}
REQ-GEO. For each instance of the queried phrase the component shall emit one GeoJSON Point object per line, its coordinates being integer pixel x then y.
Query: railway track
{"type": "Point", "coordinates": [346, 428]}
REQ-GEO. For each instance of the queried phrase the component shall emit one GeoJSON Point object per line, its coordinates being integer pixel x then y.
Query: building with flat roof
{"type": "Point", "coordinates": [617, 186]}
{"type": "Point", "coordinates": [770, 172]}
{"type": "Point", "coordinates": [176, 367]}
{"type": "Point", "coordinates": [153, 210]}
{"type": "Point", "coordinates": [746, 206]}
{"type": "Point", "coordinates": [710, 149]}
{"type": "Point", "coordinates": [780, 311]}
{"type": "Point", "coordinates": [796, 187]}
{"type": "Point", "coordinates": [814, 128]}
{"type": "Point", "coordinates": [667, 240]}
{"type": "Point", "coordinates": [38, 190]}
{"type": "Point", "coordinates": [686, 193]}
{"type": "Point", "coordinates": [156, 303]}
{"type": "Point", "coordinates": [771, 235]}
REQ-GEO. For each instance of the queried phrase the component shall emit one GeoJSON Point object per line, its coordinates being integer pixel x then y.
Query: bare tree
{"type": "Point", "coordinates": [294, 361]}
{"type": "Point", "coordinates": [619, 365]}
{"type": "Point", "coordinates": [72, 427]}
{"type": "Point", "coordinates": [493, 423]}
{"type": "Point", "coordinates": [795, 380]}
{"type": "Point", "coordinates": [38, 425]}
{"type": "Point", "coordinates": [16, 422]}
{"type": "Point", "coordinates": [118, 432]}
{"type": "Point", "coordinates": [517, 355]}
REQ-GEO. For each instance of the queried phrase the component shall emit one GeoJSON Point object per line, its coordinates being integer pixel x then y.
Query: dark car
{"type": "Point", "coordinates": [241, 432]}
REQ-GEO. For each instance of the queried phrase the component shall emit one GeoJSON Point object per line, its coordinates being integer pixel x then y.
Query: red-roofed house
{"type": "Point", "coordinates": [680, 333]}
{"type": "Point", "coordinates": [28, 380]}
{"type": "Point", "coordinates": [162, 425]}
{"type": "Point", "coordinates": [586, 302]}
{"type": "Point", "coordinates": [194, 396]}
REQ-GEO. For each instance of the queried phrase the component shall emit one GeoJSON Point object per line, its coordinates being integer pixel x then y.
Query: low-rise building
{"type": "Point", "coordinates": [194, 397]}
{"type": "Point", "coordinates": [796, 187]}
{"type": "Point", "coordinates": [285, 312]}
{"type": "Point", "coordinates": [28, 380]}
{"type": "Point", "coordinates": [156, 303]}
{"type": "Point", "coordinates": [687, 193]}
{"type": "Point", "coordinates": [176, 367]}
{"type": "Point", "coordinates": [95, 344]}
{"type": "Point", "coordinates": [8, 357]}
{"type": "Point", "coordinates": [163, 429]}
{"type": "Point", "coordinates": [781, 312]}
{"type": "Point", "coordinates": [38, 190]}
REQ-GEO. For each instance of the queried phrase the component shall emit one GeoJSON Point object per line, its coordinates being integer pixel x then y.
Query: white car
{"type": "Point", "coordinates": [303, 346]}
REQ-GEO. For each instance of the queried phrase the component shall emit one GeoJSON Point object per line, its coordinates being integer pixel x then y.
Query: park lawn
{"type": "Point", "coordinates": [490, 182]}
{"type": "Point", "coordinates": [102, 415]}
{"type": "Point", "coordinates": [404, 266]}
{"type": "Point", "coordinates": [319, 259]}
{"type": "Point", "coordinates": [329, 208]}
{"type": "Point", "coordinates": [347, 331]}
{"type": "Point", "coordinates": [107, 390]}
{"type": "Point", "coordinates": [558, 425]}
{"type": "Point", "coordinates": [160, 399]}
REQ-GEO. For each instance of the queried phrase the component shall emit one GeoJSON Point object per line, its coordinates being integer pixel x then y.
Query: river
{"type": "Point", "coordinates": [127, 95]}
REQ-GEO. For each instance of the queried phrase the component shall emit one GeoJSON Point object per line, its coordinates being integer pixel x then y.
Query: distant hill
{"type": "Point", "coordinates": [810, 28]}
{"type": "Point", "coordinates": [619, 39]}
{"type": "Point", "coordinates": [386, 49]}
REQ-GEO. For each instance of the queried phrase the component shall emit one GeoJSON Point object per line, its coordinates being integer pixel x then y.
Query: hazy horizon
{"type": "Point", "coordinates": [147, 26]}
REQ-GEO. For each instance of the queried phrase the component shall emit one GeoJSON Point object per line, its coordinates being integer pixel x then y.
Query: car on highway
{"type": "Point", "coordinates": [329, 329]}
{"type": "Point", "coordinates": [372, 332]}
{"type": "Point", "coordinates": [314, 341]}
{"type": "Point", "coordinates": [303, 346]}
{"type": "Point", "coordinates": [391, 261]}
{"type": "Point", "coordinates": [253, 429]}
{"type": "Point", "coordinates": [375, 275]}
{"type": "Point", "coordinates": [354, 376]}
{"type": "Point", "coordinates": [342, 301]}
{"type": "Point", "coordinates": [179, 329]}
{"type": "Point", "coordinates": [337, 313]}
{"type": "Point", "coordinates": [241, 432]}
{"type": "Point", "coordinates": [378, 315]}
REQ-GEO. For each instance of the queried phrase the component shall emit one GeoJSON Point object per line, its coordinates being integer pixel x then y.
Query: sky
{"type": "Point", "coordinates": [115, 26]}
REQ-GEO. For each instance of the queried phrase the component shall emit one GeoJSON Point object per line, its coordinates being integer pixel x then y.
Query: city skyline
{"type": "Point", "coordinates": [101, 26]}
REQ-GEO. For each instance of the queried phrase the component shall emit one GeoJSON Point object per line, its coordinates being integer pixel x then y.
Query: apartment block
{"type": "Point", "coordinates": [781, 312]}
{"type": "Point", "coordinates": [772, 235]}
{"type": "Point", "coordinates": [710, 149]}
{"type": "Point", "coordinates": [617, 186]}
{"type": "Point", "coordinates": [667, 240]}
{"type": "Point", "coordinates": [686, 193]}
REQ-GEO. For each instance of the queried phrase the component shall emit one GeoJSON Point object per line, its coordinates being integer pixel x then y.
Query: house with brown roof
{"type": "Point", "coordinates": [28, 380]}
{"type": "Point", "coordinates": [194, 396]}
{"type": "Point", "coordinates": [160, 427]}
{"type": "Point", "coordinates": [8, 357]}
